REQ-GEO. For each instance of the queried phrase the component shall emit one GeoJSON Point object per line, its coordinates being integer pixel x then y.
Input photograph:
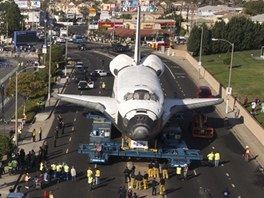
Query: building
{"type": "Point", "coordinates": [258, 18]}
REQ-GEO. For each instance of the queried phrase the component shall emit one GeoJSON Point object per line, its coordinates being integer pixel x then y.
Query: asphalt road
{"type": "Point", "coordinates": [234, 173]}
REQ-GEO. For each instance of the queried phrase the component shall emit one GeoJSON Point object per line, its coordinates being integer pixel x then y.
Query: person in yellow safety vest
{"type": "Point", "coordinates": [216, 159]}
{"type": "Point", "coordinates": [178, 171]}
{"type": "Point", "coordinates": [14, 166]}
{"type": "Point", "coordinates": [185, 171]}
{"type": "Point", "coordinates": [103, 85]}
{"type": "Point", "coordinates": [53, 170]}
{"type": "Point", "coordinates": [97, 176]}
{"type": "Point", "coordinates": [210, 158]}
{"type": "Point", "coordinates": [89, 172]}
{"type": "Point", "coordinates": [150, 169]}
{"type": "Point", "coordinates": [58, 171]}
{"type": "Point", "coordinates": [132, 179]}
{"type": "Point", "coordinates": [165, 170]}
{"type": "Point", "coordinates": [34, 135]}
{"type": "Point", "coordinates": [162, 186]}
{"type": "Point", "coordinates": [90, 183]}
{"type": "Point", "coordinates": [156, 169]}
{"type": "Point", "coordinates": [40, 133]}
{"type": "Point", "coordinates": [14, 138]}
{"type": "Point", "coordinates": [145, 180]}
{"type": "Point", "coordinates": [10, 167]}
{"type": "Point", "coordinates": [41, 167]}
{"type": "Point", "coordinates": [139, 179]}
{"type": "Point", "coordinates": [66, 172]}
{"type": "Point", "coordinates": [19, 132]}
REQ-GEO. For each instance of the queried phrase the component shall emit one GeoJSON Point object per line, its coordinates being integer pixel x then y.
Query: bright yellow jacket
{"type": "Point", "coordinates": [97, 173]}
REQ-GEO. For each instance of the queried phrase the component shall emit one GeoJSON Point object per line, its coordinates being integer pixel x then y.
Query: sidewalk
{"type": "Point", "coordinates": [44, 120]}
{"type": "Point", "coordinates": [242, 133]}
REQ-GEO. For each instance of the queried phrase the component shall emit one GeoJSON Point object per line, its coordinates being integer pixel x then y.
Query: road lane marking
{"type": "Point", "coordinates": [69, 139]}
{"type": "Point", "coordinates": [67, 150]}
{"type": "Point", "coordinates": [74, 120]}
{"type": "Point", "coordinates": [170, 71]}
{"type": "Point", "coordinates": [227, 174]}
{"type": "Point", "coordinates": [233, 185]}
{"type": "Point", "coordinates": [73, 128]}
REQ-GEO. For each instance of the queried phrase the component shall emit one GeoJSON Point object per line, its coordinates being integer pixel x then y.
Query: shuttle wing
{"type": "Point", "coordinates": [173, 106]}
{"type": "Point", "coordinates": [103, 104]}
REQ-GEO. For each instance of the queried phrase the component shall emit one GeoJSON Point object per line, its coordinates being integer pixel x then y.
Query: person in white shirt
{"type": "Point", "coordinates": [73, 173]}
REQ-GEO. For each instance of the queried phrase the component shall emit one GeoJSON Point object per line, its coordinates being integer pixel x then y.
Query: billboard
{"type": "Point", "coordinates": [28, 4]}
{"type": "Point", "coordinates": [25, 38]}
{"type": "Point", "coordinates": [132, 5]}
{"type": "Point", "coordinates": [110, 24]}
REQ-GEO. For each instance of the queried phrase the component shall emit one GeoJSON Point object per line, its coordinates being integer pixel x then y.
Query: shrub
{"type": "Point", "coordinates": [5, 146]}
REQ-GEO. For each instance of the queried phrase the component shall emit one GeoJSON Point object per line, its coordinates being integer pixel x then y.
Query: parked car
{"type": "Point", "coordinates": [204, 92]}
{"type": "Point", "coordinates": [83, 47]}
{"type": "Point", "coordinates": [79, 69]}
{"type": "Point", "coordinates": [99, 72]}
{"type": "Point", "coordinates": [60, 40]}
{"type": "Point", "coordinates": [116, 47]}
{"type": "Point", "coordinates": [85, 85]}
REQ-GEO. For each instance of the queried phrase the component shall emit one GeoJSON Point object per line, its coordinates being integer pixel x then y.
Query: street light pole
{"type": "Point", "coordinates": [50, 63]}
{"type": "Point", "coordinates": [16, 128]}
{"type": "Point", "coordinates": [66, 51]}
{"type": "Point", "coordinates": [200, 54]}
{"type": "Point", "coordinates": [3, 99]}
{"type": "Point", "coordinates": [16, 99]}
{"type": "Point", "coordinates": [229, 88]}
{"type": "Point", "coordinates": [45, 41]}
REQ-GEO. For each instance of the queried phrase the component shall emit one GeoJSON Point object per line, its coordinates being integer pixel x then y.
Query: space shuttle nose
{"type": "Point", "coordinates": [140, 133]}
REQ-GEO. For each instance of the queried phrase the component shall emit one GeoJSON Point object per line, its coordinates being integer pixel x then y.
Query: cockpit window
{"type": "Point", "coordinates": [128, 96]}
{"type": "Point", "coordinates": [141, 95]}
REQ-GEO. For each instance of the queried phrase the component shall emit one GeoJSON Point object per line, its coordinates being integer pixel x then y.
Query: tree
{"type": "Point", "coordinates": [193, 44]}
{"type": "Point", "coordinates": [57, 56]}
{"type": "Point", "coordinates": [207, 47]}
{"type": "Point", "coordinates": [126, 16]}
{"type": "Point", "coordinates": [10, 16]}
{"type": "Point", "coordinates": [29, 85]}
{"type": "Point", "coordinates": [218, 31]}
{"type": "Point", "coordinates": [239, 31]}
{"type": "Point", "coordinates": [254, 7]}
{"type": "Point", "coordinates": [84, 11]}
{"type": "Point", "coordinates": [5, 146]}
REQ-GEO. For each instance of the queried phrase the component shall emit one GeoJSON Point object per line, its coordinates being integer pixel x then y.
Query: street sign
{"type": "Point", "coordinates": [92, 12]}
{"type": "Point", "coordinates": [228, 90]}
{"type": "Point", "coordinates": [44, 49]}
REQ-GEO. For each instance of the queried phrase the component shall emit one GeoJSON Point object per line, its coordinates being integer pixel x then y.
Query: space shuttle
{"type": "Point", "coordinates": [137, 106]}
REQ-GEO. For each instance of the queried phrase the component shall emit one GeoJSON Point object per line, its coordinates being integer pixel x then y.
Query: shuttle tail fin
{"type": "Point", "coordinates": [138, 39]}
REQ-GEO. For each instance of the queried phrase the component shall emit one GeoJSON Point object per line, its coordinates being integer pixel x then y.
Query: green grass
{"type": "Point", "coordinates": [247, 75]}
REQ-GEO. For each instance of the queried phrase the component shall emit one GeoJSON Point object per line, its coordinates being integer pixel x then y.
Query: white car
{"type": "Point", "coordinates": [60, 40]}
{"type": "Point", "coordinates": [85, 85]}
{"type": "Point", "coordinates": [101, 72]}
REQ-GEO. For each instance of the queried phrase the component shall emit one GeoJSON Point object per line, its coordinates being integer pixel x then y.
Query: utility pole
{"type": "Point", "coordinates": [50, 63]}
{"type": "Point", "coordinates": [66, 51]}
{"type": "Point", "coordinates": [3, 99]}
{"type": "Point", "coordinates": [6, 32]}
{"type": "Point", "coordinates": [45, 41]}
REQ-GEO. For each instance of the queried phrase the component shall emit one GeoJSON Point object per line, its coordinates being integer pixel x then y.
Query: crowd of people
{"type": "Point", "coordinates": [93, 177]}
{"type": "Point", "coordinates": [255, 103]}
{"type": "Point", "coordinates": [19, 160]}
{"type": "Point", "coordinates": [154, 177]}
